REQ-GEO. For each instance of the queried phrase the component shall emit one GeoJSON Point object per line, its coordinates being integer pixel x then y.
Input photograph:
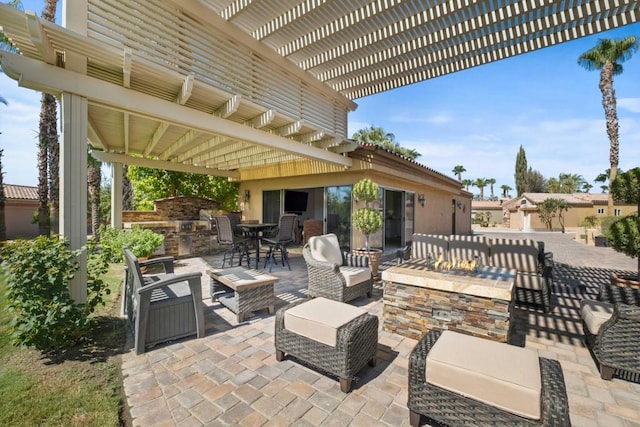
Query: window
{"type": "Point", "coordinates": [617, 212]}
{"type": "Point", "coordinates": [600, 211]}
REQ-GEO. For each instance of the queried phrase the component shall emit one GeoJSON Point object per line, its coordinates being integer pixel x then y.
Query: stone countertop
{"type": "Point", "coordinates": [489, 282]}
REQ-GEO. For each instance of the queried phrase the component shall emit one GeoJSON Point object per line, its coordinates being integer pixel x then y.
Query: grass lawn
{"type": "Point", "coordinates": [83, 387]}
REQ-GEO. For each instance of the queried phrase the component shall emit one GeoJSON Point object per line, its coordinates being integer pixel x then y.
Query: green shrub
{"type": "Point", "coordinates": [141, 241]}
{"type": "Point", "coordinates": [590, 221]}
{"type": "Point", "coordinates": [38, 273]}
{"type": "Point", "coordinates": [605, 224]}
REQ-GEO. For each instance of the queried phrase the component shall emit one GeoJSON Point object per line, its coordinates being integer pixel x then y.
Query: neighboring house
{"type": "Point", "coordinates": [414, 198]}
{"type": "Point", "coordinates": [494, 207]}
{"type": "Point", "coordinates": [20, 206]}
{"type": "Point", "coordinates": [523, 210]}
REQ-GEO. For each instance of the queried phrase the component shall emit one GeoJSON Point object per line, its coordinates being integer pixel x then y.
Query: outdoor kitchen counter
{"type": "Point", "coordinates": [417, 300]}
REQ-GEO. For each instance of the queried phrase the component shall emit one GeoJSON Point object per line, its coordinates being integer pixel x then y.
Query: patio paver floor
{"type": "Point", "coordinates": [231, 376]}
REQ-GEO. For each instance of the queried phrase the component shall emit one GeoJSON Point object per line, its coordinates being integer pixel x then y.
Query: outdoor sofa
{"type": "Point", "coordinates": [534, 280]}
{"type": "Point", "coordinates": [612, 330]}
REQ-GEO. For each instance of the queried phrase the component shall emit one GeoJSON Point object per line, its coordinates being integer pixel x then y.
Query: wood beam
{"type": "Point", "coordinates": [157, 135]}
{"type": "Point", "coordinates": [39, 38]}
{"type": "Point", "coordinates": [229, 107]}
{"type": "Point", "coordinates": [187, 87]}
{"type": "Point", "coordinates": [185, 139]}
{"type": "Point", "coordinates": [160, 164]}
{"type": "Point", "coordinates": [94, 136]}
{"type": "Point", "coordinates": [262, 120]}
{"type": "Point", "coordinates": [290, 128]}
{"type": "Point", "coordinates": [126, 67]}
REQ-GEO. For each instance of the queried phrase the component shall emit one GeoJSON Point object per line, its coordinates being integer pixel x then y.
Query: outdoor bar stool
{"type": "Point", "coordinates": [330, 335]}
{"type": "Point", "coordinates": [458, 379]}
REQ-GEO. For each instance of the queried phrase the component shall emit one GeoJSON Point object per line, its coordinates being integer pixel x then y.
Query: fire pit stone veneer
{"type": "Point", "coordinates": [178, 219]}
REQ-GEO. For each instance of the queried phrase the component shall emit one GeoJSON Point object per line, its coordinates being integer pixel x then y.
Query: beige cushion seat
{"type": "Point", "coordinates": [319, 319]}
{"type": "Point", "coordinates": [595, 313]}
{"type": "Point", "coordinates": [331, 335]}
{"type": "Point", "coordinates": [497, 374]}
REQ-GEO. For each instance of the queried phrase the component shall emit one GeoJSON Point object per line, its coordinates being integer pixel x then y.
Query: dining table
{"type": "Point", "coordinates": [255, 231]}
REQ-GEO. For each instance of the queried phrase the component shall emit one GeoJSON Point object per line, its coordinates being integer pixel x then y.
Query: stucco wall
{"type": "Point", "coordinates": [18, 218]}
{"type": "Point", "coordinates": [441, 196]}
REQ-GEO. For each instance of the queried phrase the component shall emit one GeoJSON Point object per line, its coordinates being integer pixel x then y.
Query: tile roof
{"type": "Point", "coordinates": [22, 192]}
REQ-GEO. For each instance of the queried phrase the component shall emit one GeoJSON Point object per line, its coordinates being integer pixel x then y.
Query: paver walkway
{"type": "Point", "coordinates": [231, 376]}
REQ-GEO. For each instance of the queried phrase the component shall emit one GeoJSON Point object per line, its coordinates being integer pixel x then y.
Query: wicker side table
{"type": "Point", "coordinates": [243, 290]}
{"type": "Point", "coordinates": [356, 346]}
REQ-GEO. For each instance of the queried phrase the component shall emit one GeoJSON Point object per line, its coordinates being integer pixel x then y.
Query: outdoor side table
{"type": "Point", "coordinates": [243, 290]}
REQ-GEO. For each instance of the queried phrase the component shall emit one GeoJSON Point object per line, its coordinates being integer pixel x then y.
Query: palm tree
{"type": "Point", "coordinates": [505, 190]}
{"type": "Point", "coordinates": [466, 183]}
{"type": "Point", "coordinates": [48, 149]}
{"type": "Point", "coordinates": [491, 181]}
{"type": "Point", "coordinates": [481, 183]}
{"type": "Point", "coordinates": [378, 136]}
{"type": "Point", "coordinates": [94, 180]}
{"type": "Point", "coordinates": [586, 187]}
{"type": "Point", "coordinates": [458, 170]}
{"type": "Point", "coordinates": [607, 57]}
{"type": "Point", "coordinates": [127, 190]}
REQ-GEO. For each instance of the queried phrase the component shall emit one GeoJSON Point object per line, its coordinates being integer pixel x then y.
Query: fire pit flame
{"type": "Point", "coordinates": [456, 264]}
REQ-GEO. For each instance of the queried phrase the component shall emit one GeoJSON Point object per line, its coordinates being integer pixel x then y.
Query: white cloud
{"type": "Point", "coordinates": [422, 117]}
{"type": "Point", "coordinates": [631, 104]}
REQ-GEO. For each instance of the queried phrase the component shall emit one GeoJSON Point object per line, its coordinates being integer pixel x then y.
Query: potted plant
{"type": "Point", "coordinates": [367, 220]}
{"type": "Point", "coordinates": [623, 234]}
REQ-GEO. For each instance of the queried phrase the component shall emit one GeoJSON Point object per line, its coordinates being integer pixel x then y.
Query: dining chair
{"type": "Point", "coordinates": [226, 237]}
{"type": "Point", "coordinates": [287, 224]}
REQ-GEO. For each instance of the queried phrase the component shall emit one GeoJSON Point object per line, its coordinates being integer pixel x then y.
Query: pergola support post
{"type": "Point", "coordinates": [73, 185]}
{"type": "Point", "coordinates": [116, 196]}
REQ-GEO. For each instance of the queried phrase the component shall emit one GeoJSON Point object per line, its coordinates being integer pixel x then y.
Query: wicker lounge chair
{"type": "Point", "coordinates": [449, 408]}
{"type": "Point", "coordinates": [161, 308]}
{"type": "Point", "coordinates": [612, 330]}
{"type": "Point", "coordinates": [333, 273]}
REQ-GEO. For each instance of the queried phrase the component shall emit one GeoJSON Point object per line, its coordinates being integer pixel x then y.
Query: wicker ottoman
{"type": "Point", "coordinates": [485, 370]}
{"type": "Point", "coordinates": [330, 335]}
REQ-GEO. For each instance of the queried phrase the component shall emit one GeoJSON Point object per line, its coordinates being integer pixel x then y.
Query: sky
{"type": "Point", "coordinates": [477, 118]}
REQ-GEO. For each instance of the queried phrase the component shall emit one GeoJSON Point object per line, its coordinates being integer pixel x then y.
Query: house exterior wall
{"type": "Point", "coordinates": [442, 197]}
{"type": "Point", "coordinates": [573, 218]}
{"type": "Point", "coordinates": [19, 217]}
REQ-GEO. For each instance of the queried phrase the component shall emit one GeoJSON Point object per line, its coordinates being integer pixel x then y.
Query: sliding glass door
{"type": "Point", "coordinates": [338, 213]}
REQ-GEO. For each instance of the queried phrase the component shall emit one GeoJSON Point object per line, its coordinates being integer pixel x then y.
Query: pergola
{"type": "Point", "coordinates": [222, 87]}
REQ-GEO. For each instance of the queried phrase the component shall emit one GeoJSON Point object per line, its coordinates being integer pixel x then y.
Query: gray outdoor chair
{"type": "Point", "coordinates": [235, 243]}
{"type": "Point", "coordinates": [334, 273]}
{"type": "Point", "coordinates": [285, 235]}
{"type": "Point", "coordinates": [163, 307]}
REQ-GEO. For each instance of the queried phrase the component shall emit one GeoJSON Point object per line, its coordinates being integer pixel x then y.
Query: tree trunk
{"type": "Point", "coordinates": [3, 226]}
{"type": "Point", "coordinates": [127, 190]}
{"type": "Point", "coordinates": [48, 136]}
{"type": "Point", "coordinates": [94, 178]}
{"type": "Point", "coordinates": [611, 116]}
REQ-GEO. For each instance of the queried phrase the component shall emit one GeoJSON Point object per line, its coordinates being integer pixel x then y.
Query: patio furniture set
{"type": "Point", "coordinates": [454, 378]}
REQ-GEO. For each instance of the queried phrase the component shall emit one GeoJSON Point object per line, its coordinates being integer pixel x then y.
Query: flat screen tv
{"type": "Point", "coordinates": [295, 201]}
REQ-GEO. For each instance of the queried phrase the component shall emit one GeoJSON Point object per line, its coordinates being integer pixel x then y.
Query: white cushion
{"type": "Point", "coordinates": [595, 313]}
{"type": "Point", "coordinates": [319, 319]}
{"type": "Point", "coordinates": [326, 248]}
{"type": "Point", "coordinates": [497, 374]}
{"type": "Point", "coordinates": [355, 275]}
